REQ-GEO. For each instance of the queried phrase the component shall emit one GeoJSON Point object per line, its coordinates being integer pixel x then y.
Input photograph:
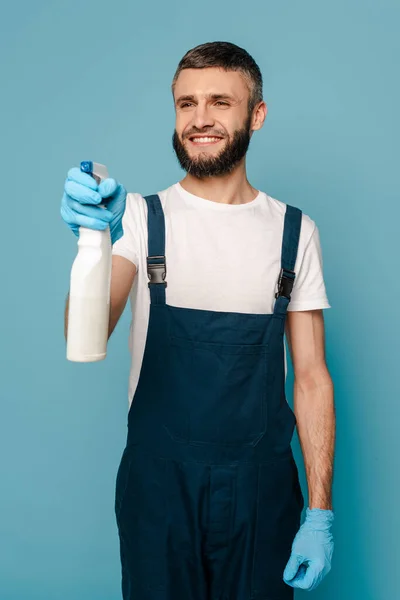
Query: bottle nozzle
{"type": "Point", "coordinates": [95, 170]}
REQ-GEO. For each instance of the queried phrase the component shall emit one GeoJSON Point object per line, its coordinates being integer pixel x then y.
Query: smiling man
{"type": "Point", "coordinates": [208, 500]}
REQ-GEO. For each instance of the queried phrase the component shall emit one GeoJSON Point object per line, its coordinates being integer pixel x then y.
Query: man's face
{"type": "Point", "coordinates": [213, 123]}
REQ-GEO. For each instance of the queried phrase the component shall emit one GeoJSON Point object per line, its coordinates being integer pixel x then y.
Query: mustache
{"type": "Point", "coordinates": [206, 133]}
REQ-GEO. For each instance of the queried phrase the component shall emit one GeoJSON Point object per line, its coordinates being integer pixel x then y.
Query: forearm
{"type": "Point", "coordinates": [315, 413]}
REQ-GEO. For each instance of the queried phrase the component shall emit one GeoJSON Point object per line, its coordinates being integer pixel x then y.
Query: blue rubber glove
{"type": "Point", "coordinates": [82, 195]}
{"type": "Point", "coordinates": [312, 551]}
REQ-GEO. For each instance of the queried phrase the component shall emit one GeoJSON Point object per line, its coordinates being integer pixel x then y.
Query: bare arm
{"type": "Point", "coordinates": [122, 277]}
{"type": "Point", "coordinates": [313, 402]}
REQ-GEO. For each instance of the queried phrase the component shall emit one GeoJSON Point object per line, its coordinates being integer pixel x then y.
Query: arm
{"type": "Point", "coordinates": [313, 402]}
{"type": "Point", "coordinates": [123, 273]}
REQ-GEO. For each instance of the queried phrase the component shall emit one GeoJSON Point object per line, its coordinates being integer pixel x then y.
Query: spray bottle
{"type": "Point", "coordinates": [89, 295]}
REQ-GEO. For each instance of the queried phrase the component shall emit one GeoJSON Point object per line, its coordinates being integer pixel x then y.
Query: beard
{"type": "Point", "coordinates": [203, 165]}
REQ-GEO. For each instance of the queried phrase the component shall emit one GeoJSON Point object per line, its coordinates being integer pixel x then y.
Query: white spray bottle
{"type": "Point", "coordinates": [89, 295]}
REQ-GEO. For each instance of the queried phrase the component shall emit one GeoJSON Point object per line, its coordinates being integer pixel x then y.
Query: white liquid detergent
{"type": "Point", "coordinates": [89, 296]}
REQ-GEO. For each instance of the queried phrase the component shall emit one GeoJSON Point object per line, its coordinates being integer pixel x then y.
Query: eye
{"type": "Point", "coordinates": [222, 102]}
{"type": "Point", "coordinates": [185, 104]}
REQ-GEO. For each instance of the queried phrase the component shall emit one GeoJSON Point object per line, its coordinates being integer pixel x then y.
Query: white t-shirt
{"type": "Point", "coordinates": [219, 257]}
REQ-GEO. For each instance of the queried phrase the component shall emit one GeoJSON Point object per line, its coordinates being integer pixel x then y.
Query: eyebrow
{"type": "Point", "coordinates": [214, 97]}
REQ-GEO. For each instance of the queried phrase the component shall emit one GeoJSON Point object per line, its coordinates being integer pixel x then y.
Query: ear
{"type": "Point", "coordinates": [259, 116]}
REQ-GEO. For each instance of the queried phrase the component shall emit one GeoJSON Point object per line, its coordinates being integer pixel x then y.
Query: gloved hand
{"type": "Point", "coordinates": [312, 551]}
{"type": "Point", "coordinates": [82, 195]}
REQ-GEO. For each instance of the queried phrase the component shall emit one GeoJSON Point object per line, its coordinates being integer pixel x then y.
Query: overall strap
{"type": "Point", "coordinates": [156, 263]}
{"type": "Point", "coordinates": [290, 244]}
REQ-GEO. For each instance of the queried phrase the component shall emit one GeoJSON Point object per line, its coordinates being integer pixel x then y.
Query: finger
{"type": "Point", "coordinates": [297, 581]}
{"type": "Point", "coordinates": [94, 212]}
{"type": "Point", "coordinates": [292, 567]}
{"type": "Point", "coordinates": [115, 202]}
{"type": "Point", "coordinates": [85, 221]}
{"type": "Point", "coordinates": [79, 176]}
{"type": "Point", "coordinates": [107, 187]}
{"type": "Point", "coordinates": [310, 579]}
{"type": "Point", "coordinates": [81, 193]}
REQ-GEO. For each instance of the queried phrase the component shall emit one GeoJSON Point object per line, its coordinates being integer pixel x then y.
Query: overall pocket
{"type": "Point", "coordinates": [121, 483]}
{"type": "Point", "coordinates": [143, 522]}
{"type": "Point", "coordinates": [277, 521]}
{"type": "Point", "coordinates": [216, 393]}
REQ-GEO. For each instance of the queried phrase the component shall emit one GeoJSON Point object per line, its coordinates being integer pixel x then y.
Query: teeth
{"type": "Point", "coordinates": [205, 139]}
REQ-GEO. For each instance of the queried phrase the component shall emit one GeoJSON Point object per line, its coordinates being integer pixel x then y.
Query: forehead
{"type": "Point", "coordinates": [200, 82]}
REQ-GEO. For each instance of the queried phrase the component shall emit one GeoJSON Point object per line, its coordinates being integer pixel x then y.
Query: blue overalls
{"type": "Point", "coordinates": [208, 499]}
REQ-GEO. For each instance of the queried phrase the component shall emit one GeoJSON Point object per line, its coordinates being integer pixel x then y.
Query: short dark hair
{"type": "Point", "coordinates": [229, 57]}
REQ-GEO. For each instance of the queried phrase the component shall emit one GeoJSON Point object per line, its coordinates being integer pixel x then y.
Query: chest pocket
{"type": "Point", "coordinates": [216, 393]}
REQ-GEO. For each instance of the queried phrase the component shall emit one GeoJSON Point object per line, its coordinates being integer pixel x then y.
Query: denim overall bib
{"type": "Point", "coordinates": [208, 499]}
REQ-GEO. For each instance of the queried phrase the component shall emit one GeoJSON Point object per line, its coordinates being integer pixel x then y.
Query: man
{"type": "Point", "coordinates": [208, 501]}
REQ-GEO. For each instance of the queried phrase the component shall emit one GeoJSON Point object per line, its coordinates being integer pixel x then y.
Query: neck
{"type": "Point", "coordinates": [232, 188]}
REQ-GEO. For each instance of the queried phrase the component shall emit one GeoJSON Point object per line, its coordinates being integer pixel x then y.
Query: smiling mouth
{"type": "Point", "coordinates": [203, 140]}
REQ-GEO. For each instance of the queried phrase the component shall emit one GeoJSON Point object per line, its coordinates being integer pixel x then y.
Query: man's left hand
{"type": "Point", "coordinates": [312, 551]}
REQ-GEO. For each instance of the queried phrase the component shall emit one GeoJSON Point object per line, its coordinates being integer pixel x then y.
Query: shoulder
{"type": "Point", "coordinates": [278, 211]}
{"type": "Point", "coordinates": [135, 201]}
{"type": "Point", "coordinates": [136, 212]}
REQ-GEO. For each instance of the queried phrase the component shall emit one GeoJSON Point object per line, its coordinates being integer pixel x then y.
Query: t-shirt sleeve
{"type": "Point", "coordinates": [309, 291]}
{"type": "Point", "coordinates": [128, 245]}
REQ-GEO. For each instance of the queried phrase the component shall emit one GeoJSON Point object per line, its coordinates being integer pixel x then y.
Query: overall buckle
{"type": "Point", "coordinates": [156, 271]}
{"type": "Point", "coordinates": [285, 283]}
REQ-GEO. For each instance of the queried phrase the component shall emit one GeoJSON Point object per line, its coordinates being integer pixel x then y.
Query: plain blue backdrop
{"type": "Point", "coordinates": [91, 80]}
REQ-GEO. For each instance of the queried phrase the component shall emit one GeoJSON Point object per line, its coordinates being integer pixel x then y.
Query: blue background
{"type": "Point", "coordinates": [91, 80]}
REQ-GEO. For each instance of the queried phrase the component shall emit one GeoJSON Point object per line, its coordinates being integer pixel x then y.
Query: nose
{"type": "Point", "coordinates": [202, 117]}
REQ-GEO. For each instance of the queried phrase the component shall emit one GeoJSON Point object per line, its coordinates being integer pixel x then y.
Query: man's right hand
{"type": "Point", "coordinates": [82, 197]}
